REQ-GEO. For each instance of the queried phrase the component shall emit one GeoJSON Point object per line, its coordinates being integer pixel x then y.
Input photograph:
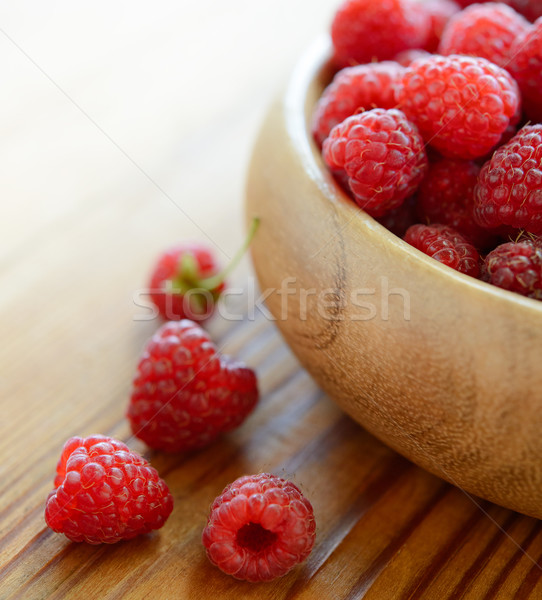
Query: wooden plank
{"type": "Point", "coordinates": [81, 225]}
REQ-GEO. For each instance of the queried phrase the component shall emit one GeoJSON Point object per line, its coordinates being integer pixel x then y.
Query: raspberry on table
{"type": "Point", "coordinates": [509, 188]}
{"type": "Point", "coordinates": [185, 393]}
{"type": "Point", "coordinates": [446, 245]}
{"type": "Point", "coordinates": [462, 105]}
{"type": "Point", "coordinates": [446, 195]}
{"type": "Point", "coordinates": [516, 266]}
{"type": "Point", "coordinates": [485, 30]}
{"type": "Point", "coordinates": [440, 12]}
{"type": "Point", "coordinates": [104, 492]}
{"type": "Point", "coordinates": [177, 274]}
{"type": "Point", "coordinates": [526, 67]}
{"type": "Point", "coordinates": [259, 528]}
{"type": "Point", "coordinates": [365, 30]}
{"type": "Point", "coordinates": [186, 281]}
{"type": "Point", "coordinates": [383, 155]}
{"type": "Point", "coordinates": [361, 87]}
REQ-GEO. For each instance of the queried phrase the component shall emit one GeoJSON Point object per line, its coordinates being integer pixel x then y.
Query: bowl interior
{"type": "Point", "coordinates": [312, 74]}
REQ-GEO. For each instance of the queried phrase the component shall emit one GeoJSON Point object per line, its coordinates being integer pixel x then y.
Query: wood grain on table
{"type": "Point", "coordinates": [124, 128]}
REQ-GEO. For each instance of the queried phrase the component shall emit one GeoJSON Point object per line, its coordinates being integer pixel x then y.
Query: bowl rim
{"type": "Point", "coordinates": [297, 110]}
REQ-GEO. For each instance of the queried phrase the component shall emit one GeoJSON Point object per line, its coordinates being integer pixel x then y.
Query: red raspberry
{"type": "Point", "coordinates": [486, 30]}
{"type": "Point", "coordinates": [526, 67]}
{"type": "Point", "coordinates": [363, 30]}
{"type": "Point", "coordinates": [516, 266]}
{"type": "Point", "coordinates": [509, 188]}
{"type": "Point", "coordinates": [440, 12]}
{"type": "Point", "coordinates": [259, 528]}
{"type": "Point", "coordinates": [462, 105]}
{"type": "Point", "coordinates": [177, 283]}
{"type": "Point", "coordinates": [185, 394]}
{"type": "Point", "coordinates": [446, 196]}
{"type": "Point", "coordinates": [104, 492]}
{"type": "Point", "coordinates": [354, 88]}
{"type": "Point", "coordinates": [383, 156]}
{"type": "Point", "coordinates": [445, 245]}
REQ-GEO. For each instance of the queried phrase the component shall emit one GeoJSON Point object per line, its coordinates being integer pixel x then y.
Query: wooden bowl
{"type": "Point", "coordinates": [445, 369]}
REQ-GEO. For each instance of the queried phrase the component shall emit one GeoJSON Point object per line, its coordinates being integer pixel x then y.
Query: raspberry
{"type": "Point", "coordinates": [104, 492]}
{"type": "Point", "coordinates": [185, 394]}
{"type": "Point", "coordinates": [509, 188]}
{"type": "Point", "coordinates": [354, 88]}
{"type": "Point", "coordinates": [259, 528]}
{"type": "Point", "coordinates": [176, 278]}
{"type": "Point", "coordinates": [185, 281]}
{"type": "Point", "coordinates": [363, 30]}
{"type": "Point", "coordinates": [446, 196]}
{"type": "Point", "coordinates": [462, 105]}
{"type": "Point", "coordinates": [486, 30]}
{"type": "Point", "coordinates": [526, 67]}
{"type": "Point", "coordinates": [516, 266]}
{"type": "Point", "coordinates": [383, 156]}
{"type": "Point", "coordinates": [440, 12]}
{"type": "Point", "coordinates": [445, 245]}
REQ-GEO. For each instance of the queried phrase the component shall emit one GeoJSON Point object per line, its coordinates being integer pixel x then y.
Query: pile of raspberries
{"type": "Point", "coordinates": [433, 125]}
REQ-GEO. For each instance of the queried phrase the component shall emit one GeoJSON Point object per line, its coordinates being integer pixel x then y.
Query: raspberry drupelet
{"type": "Point", "coordinates": [509, 188]}
{"type": "Point", "coordinates": [445, 245]}
{"type": "Point", "coordinates": [259, 528]}
{"type": "Point", "coordinates": [383, 156]}
{"type": "Point", "coordinates": [517, 267]}
{"type": "Point", "coordinates": [185, 393]}
{"type": "Point", "coordinates": [362, 87]}
{"type": "Point", "coordinates": [104, 493]}
{"type": "Point", "coordinates": [462, 105]}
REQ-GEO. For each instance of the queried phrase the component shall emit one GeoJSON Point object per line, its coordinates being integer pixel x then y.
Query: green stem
{"type": "Point", "coordinates": [213, 282]}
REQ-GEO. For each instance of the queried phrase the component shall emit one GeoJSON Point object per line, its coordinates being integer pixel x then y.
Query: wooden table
{"type": "Point", "coordinates": [126, 127]}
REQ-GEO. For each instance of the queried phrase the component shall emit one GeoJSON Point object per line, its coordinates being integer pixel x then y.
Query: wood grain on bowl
{"type": "Point", "coordinates": [443, 368]}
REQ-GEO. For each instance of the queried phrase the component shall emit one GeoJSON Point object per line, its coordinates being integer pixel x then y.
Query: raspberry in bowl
{"type": "Point", "coordinates": [441, 366]}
